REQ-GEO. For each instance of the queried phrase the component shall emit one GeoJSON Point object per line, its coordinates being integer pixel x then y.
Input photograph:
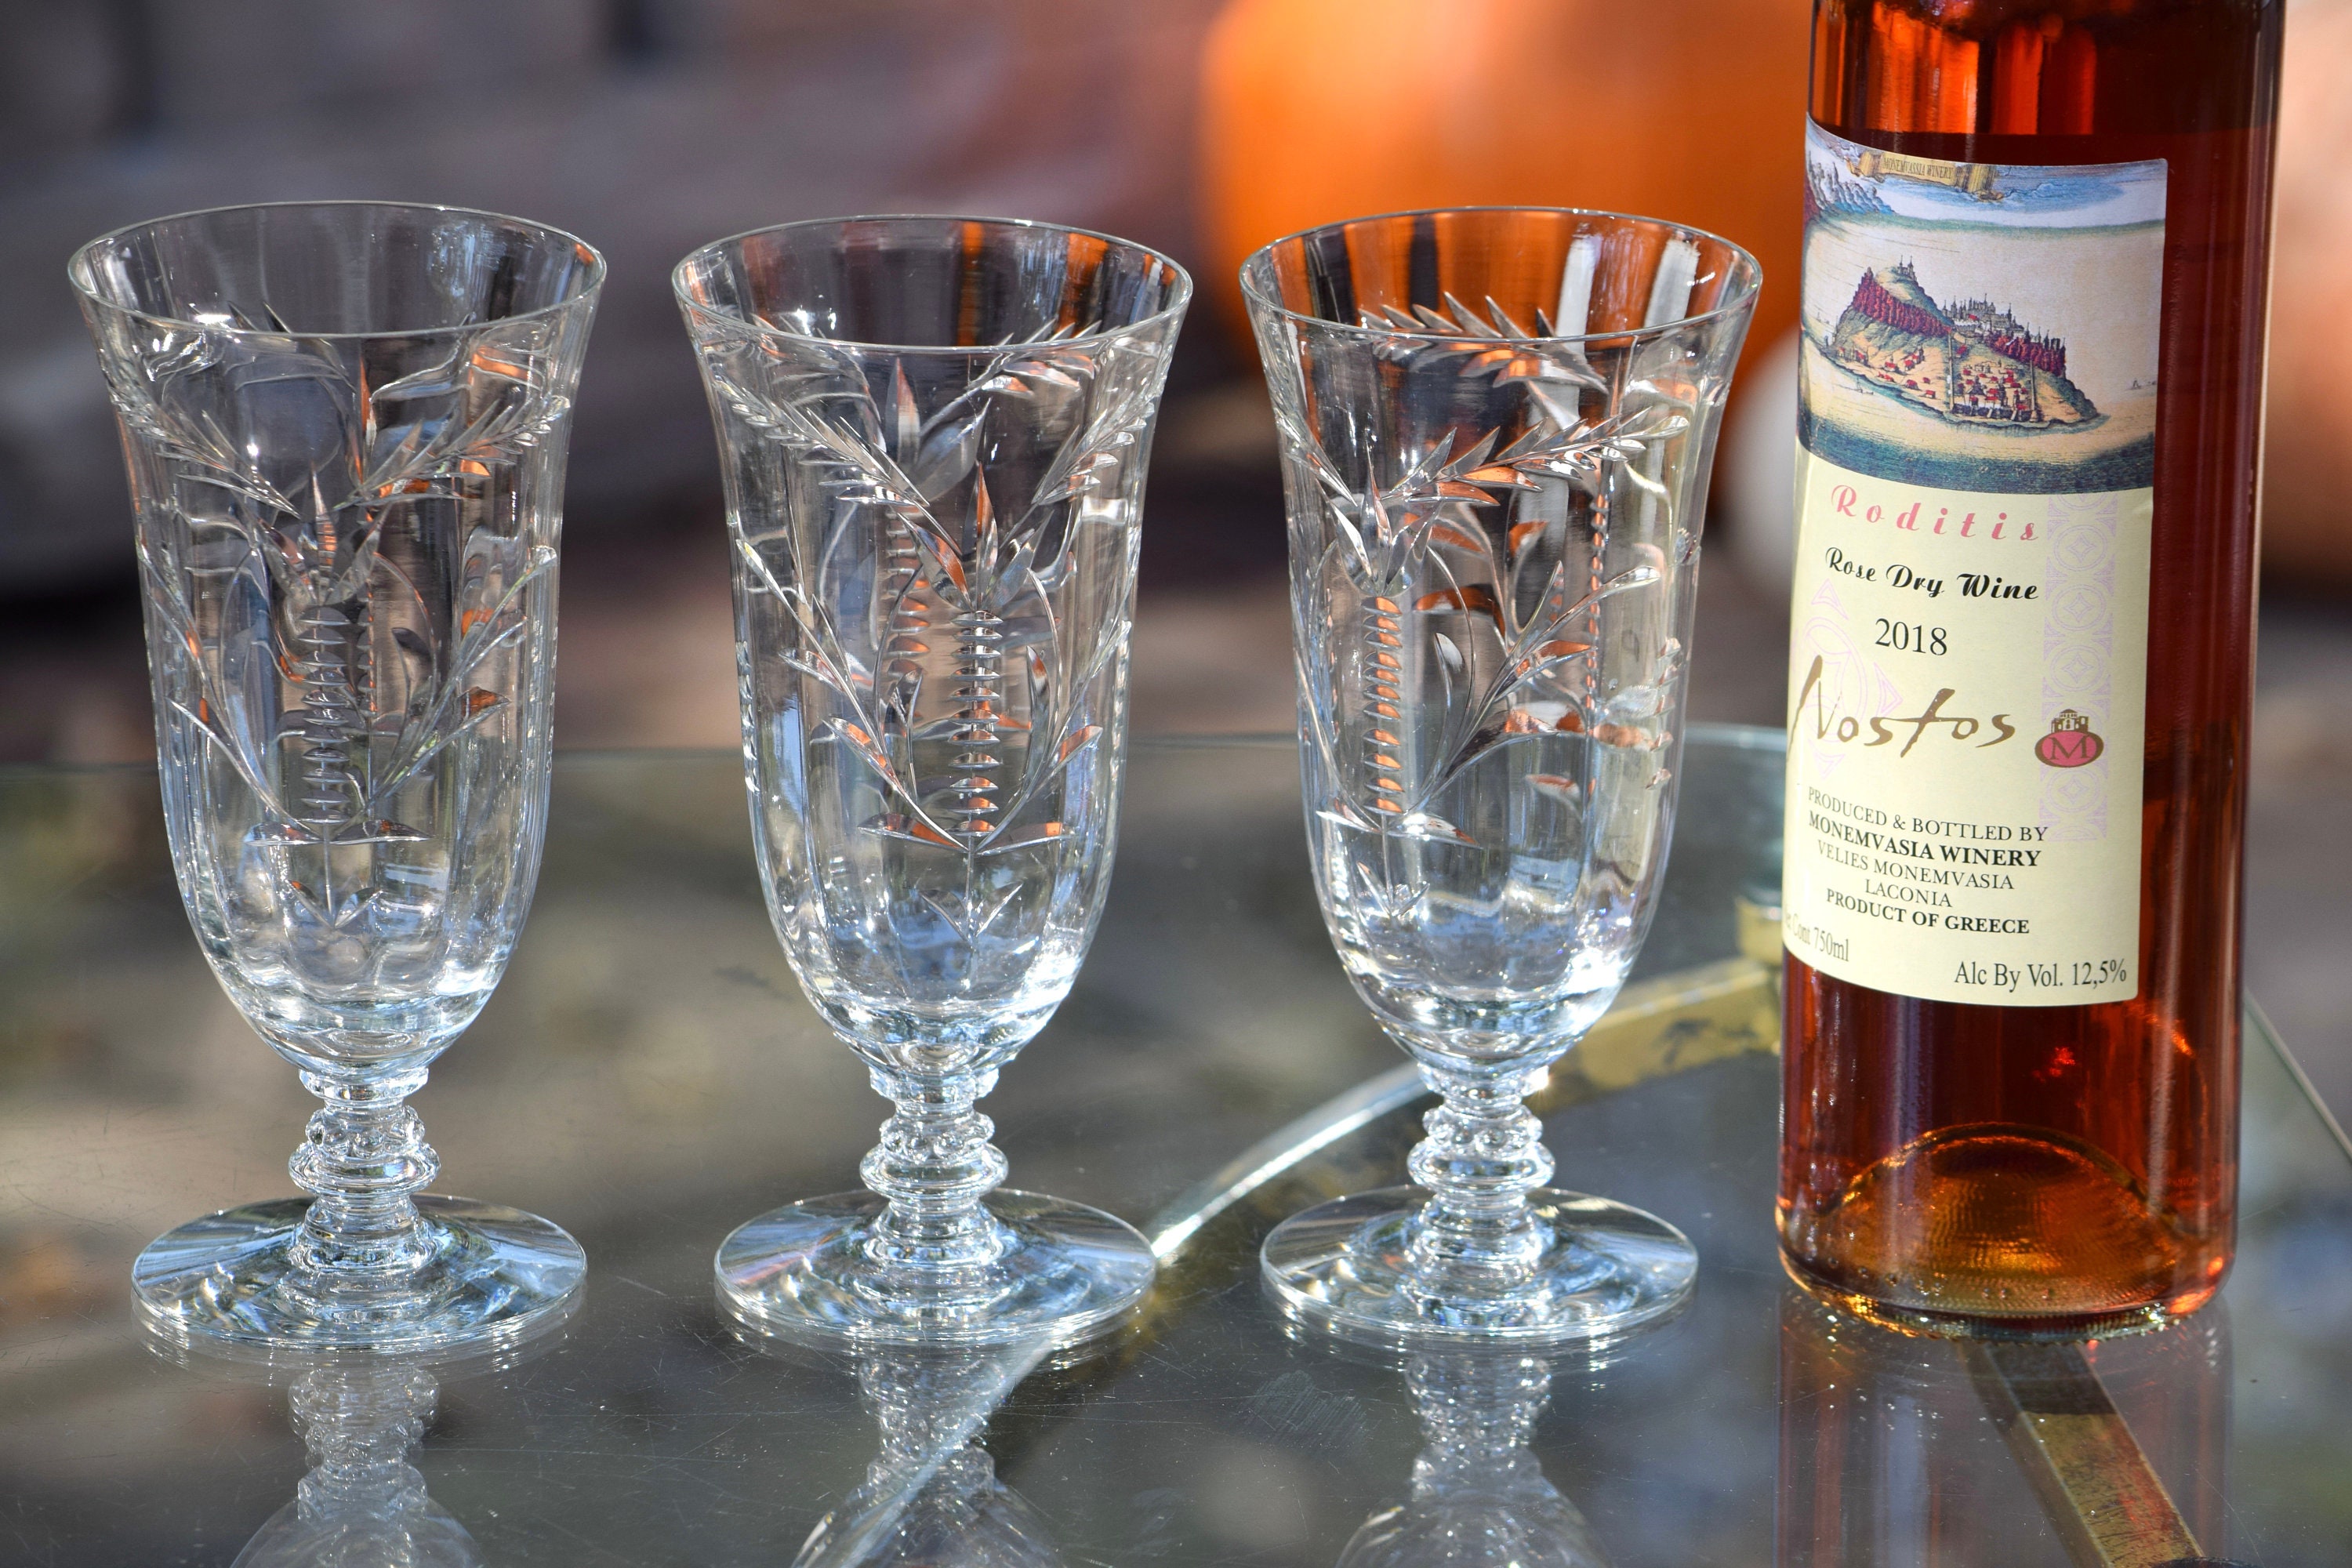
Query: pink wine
{"type": "Point", "coordinates": [2034, 308]}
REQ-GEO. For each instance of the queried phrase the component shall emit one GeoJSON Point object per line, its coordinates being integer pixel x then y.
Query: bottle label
{"type": "Point", "coordinates": [1969, 648]}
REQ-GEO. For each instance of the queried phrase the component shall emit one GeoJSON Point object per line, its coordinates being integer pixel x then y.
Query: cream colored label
{"type": "Point", "coordinates": [1968, 693]}
{"type": "Point", "coordinates": [1968, 651]}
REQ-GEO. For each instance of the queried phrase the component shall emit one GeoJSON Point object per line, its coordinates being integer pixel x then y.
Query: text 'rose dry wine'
{"type": "Point", "coordinates": [2036, 238]}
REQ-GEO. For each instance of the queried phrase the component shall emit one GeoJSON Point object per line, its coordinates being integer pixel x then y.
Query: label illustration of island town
{"type": "Point", "coordinates": [1972, 362]}
{"type": "Point", "coordinates": [1967, 677]}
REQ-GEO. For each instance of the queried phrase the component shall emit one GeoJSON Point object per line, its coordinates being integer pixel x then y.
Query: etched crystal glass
{"type": "Point", "coordinates": [934, 432]}
{"type": "Point", "coordinates": [1496, 428]}
{"type": "Point", "coordinates": [345, 425]}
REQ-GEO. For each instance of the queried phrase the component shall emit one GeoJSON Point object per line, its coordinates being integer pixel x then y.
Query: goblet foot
{"type": "Point", "coordinates": [806, 1272]}
{"type": "Point", "coordinates": [493, 1275]}
{"type": "Point", "coordinates": [1605, 1270]}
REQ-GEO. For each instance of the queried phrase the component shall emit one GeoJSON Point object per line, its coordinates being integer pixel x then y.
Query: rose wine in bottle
{"type": "Point", "coordinates": [2034, 285]}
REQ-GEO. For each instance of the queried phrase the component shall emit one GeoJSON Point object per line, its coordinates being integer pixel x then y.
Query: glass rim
{"type": "Point", "coordinates": [77, 269]}
{"type": "Point", "coordinates": [1178, 301]}
{"type": "Point", "coordinates": [1745, 299]}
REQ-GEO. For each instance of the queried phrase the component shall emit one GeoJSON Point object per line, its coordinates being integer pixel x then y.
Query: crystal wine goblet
{"type": "Point", "coordinates": [933, 432]}
{"type": "Point", "coordinates": [1497, 428]}
{"type": "Point", "coordinates": [345, 426]}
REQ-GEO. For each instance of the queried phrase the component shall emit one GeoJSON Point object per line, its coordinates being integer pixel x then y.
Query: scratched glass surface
{"type": "Point", "coordinates": [647, 1074]}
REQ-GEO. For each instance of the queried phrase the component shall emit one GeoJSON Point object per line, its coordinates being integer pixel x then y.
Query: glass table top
{"type": "Point", "coordinates": [648, 1076]}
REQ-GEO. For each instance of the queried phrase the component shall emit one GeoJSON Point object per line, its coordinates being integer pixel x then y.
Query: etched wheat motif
{"type": "Point", "coordinates": [290, 549]}
{"type": "Point", "coordinates": [955, 569]}
{"type": "Point", "coordinates": [1448, 541]}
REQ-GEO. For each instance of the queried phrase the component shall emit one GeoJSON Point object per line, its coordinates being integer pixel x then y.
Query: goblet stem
{"type": "Point", "coordinates": [936, 1251]}
{"type": "Point", "coordinates": [363, 1161]}
{"type": "Point", "coordinates": [935, 1163]}
{"type": "Point", "coordinates": [1476, 1236]}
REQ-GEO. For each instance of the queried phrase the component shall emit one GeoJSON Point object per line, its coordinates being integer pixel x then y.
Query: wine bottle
{"type": "Point", "coordinates": [2034, 308]}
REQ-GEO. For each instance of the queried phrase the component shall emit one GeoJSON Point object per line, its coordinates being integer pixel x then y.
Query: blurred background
{"type": "Point", "coordinates": [649, 126]}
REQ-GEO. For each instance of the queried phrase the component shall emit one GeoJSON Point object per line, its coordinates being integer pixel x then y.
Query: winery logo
{"type": "Point", "coordinates": [1988, 327]}
{"type": "Point", "coordinates": [2071, 743]}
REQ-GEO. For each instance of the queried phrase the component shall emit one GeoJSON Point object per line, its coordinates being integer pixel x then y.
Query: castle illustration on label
{"type": "Point", "coordinates": [1971, 362]}
{"type": "Point", "coordinates": [1983, 327]}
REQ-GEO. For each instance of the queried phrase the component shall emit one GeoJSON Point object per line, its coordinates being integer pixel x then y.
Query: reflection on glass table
{"type": "Point", "coordinates": [2123, 1443]}
{"type": "Point", "coordinates": [362, 1502]}
{"type": "Point", "coordinates": [931, 1495]}
{"type": "Point", "coordinates": [1479, 1497]}
{"type": "Point", "coordinates": [647, 1074]}
{"type": "Point", "coordinates": [361, 1416]}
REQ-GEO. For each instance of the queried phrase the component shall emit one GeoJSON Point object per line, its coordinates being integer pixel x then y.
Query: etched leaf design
{"type": "Point", "coordinates": [1476, 531]}
{"type": "Point", "coordinates": [334, 691]}
{"type": "Point", "coordinates": [970, 566]}
{"type": "Point", "coordinates": [454, 704]}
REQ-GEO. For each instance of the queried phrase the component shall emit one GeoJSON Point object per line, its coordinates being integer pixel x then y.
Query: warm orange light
{"type": "Point", "coordinates": [1691, 111]}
